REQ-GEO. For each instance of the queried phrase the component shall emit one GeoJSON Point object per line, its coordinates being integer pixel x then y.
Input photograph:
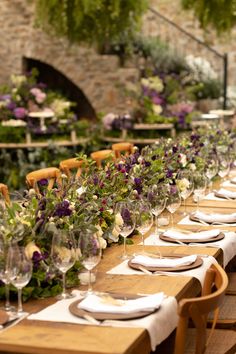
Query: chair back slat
{"type": "Point", "coordinates": [66, 166]}
{"type": "Point", "coordinates": [5, 193]}
{"type": "Point", "coordinates": [51, 174]}
{"type": "Point", "coordinates": [101, 155]}
{"type": "Point", "coordinates": [125, 147]}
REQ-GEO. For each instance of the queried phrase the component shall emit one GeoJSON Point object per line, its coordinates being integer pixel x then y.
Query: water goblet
{"type": "Point", "coordinates": [211, 170]}
{"type": "Point", "coordinates": [144, 218]}
{"type": "Point", "coordinates": [20, 271]}
{"type": "Point", "coordinates": [90, 253]}
{"type": "Point", "coordinates": [125, 215]}
{"type": "Point", "coordinates": [224, 166]}
{"type": "Point", "coordinates": [4, 275]}
{"type": "Point", "coordinates": [63, 255]}
{"type": "Point", "coordinates": [173, 202]}
{"type": "Point", "coordinates": [157, 198]}
{"type": "Point", "coordinates": [200, 184]}
{"type": "Point", "coordinates": [184, 182]}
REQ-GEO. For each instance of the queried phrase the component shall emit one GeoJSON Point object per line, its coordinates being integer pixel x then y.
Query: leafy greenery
{"type": "Point", "coordinates": [219, 14]}
{"type": "Point", "coordinates": [99, 22]}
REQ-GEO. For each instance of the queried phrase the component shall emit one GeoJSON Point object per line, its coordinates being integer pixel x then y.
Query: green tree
{"type": "Point", "coordinates": [93, 22]}
{"type": "Point", "coordinates": [219, 14]}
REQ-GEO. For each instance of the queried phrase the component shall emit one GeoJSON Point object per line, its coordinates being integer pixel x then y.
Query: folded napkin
{"type": "Point", "coordinates": [226, 193]}
{"type": "Point", "coordinates": [94, 303]}
{"type": "Point", "coordinates": [221, 218]}
{"type": "Point", "coordinates": [163, 262]}
{"type": "Point", "coordinates": [233, 180]}
{"type": "Point", "coordinates": [202, 235]}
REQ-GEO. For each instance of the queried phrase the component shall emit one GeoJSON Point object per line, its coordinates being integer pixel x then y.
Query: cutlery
{"type": "Point", "coordinates": [144, 270]}
{"type": "Point", "coordinates": [91, 320]}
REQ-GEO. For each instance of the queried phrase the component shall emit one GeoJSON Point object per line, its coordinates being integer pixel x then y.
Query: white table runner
{"type": "Point", "coordinates": [159, 324]}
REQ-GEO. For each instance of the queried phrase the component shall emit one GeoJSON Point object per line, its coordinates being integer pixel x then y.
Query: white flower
{"type": "Point", "coordinates": [81, 190]}
{"type": "Point", "coordinates": [157, 109]}
{"type": "Point", "coordinates": [119, 220]}
{"type": "Point", "coordinates": [102, 242]}
{"type": "Point", "coordinates": [30, 248]}
{"type": "Point", "coordinates": [183, 184]}
{"type": "Point", "coordinates": [18, 80]}
{"type": "Point", "coordinates": [108, 119]}
{"type": "Point", "coordinates": [95, 197]}
{"type": "Point", "coordinates": [153, 83]}
{"type": "Point", "coordinates": [192, 167]}
{"type": "Point", "coordinates": [183, 160]}
{"type": "Point", "coordinates": [99, 233]}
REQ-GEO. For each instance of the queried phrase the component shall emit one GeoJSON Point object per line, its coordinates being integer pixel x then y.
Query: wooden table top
{"type": "Point", "coordinates": [37, 337]}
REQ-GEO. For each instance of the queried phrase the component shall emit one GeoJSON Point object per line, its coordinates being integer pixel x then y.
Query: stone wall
{"type": "Point", "coordinates": [99, 77]}
{"type": "Point", "coordinates": [185, 19]}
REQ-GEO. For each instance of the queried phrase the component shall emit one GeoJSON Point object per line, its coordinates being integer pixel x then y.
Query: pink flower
{"type": "Point", "coordinates": [20, 112]}
{"type": "Point", "coordinates": [38, 94]}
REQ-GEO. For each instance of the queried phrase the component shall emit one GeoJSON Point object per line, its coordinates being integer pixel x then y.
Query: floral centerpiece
{"type": "Point", "coordinates": [89, 202]}
{"type": "Point", "coordinates": [24, 96]}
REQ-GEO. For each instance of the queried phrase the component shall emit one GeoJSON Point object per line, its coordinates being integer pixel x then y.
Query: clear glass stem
{"type": "Point", "coordinates": [156, 225]}
{"type": "Point", "coordinates": [143, 245]}
{"type": "Point", "coordinates": [172, 220]}
{"type": "Point", "coordinates": [7, 294]}
{"type": "Point", "coordinates": [20, 308]}
{"type": "Point", "coordinates": [210, 186]}
{"type": "Point", "coordinates": [185, 210]}
{"type": "Point", "coordinates": [198, 203]}
{"type": "Point", "coordinates": [90, 289]}
{"type": "Point", "coordinates": [124, 252]}
{"type": "Point", "coordinates": [63, 284]}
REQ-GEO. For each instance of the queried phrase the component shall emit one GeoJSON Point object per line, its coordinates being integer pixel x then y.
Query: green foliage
{"type": "Point", "coordinates": [99, 22]}
{"type": "Point", "coordinates": [219, 14]}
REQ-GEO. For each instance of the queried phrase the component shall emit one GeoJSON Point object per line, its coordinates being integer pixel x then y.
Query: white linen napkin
{"type": "Point", "coordinates": [94, 303]}
{"type": "Point", "coordinates": [159, 324]}
{"type": "Point", "coordinates": [210, 218]}
{"type": "Point", "coordinates": [226, 193]}
{"type": "Point", "coordinates": [163, 262]}
{"type": "Point", "coordinates": [202, 235]}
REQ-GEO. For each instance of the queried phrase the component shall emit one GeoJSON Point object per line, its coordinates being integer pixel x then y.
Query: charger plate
{"type": "Point", "coordinates": [195, 218]}
{"type": "Point", "coordinates": [219, 195]}
{"type": "Point", "coordinates": [190, 240]}
{"type": "Point", "coordinates": [198, 262]}
{"type": "Point", "coordinates": [76, 311]}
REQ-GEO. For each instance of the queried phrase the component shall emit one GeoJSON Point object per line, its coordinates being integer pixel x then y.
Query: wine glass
{"type": "Point", "coordinates": [184, 182]}
{"type": "Point", "coordinates": [173, 202]}
{"type": "Point", "coordinates": [20, 271]}
{"type": "Point", "coordinates": [144, 218]}
{"type": "Point", "coordinates": [63, 255]}
{"type": "Point", "coordinates": [200, 184]}
{"type": "Point", "coordinates": [211, 170]}
{"type": "Point", "coordinates": [125, 212]}
{"type": "Point", "coordinates": [4, 274]}
{"type": "Point", "coordinates": [90, 251]}
{"type": "Point", "coordinates": [224, 165]}
{"type": "Point", "coordinates": [157, 199]}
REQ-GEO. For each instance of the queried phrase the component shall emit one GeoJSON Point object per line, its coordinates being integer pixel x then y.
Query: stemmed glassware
{"type": "Point", "coordinates": [90, 250]}
{"type": "Point", "coordinates": [125, 212]}
{"type": "Point", "coordinates": [4, 274]}
{"type": "Point", "coordinates": [224, 165]}
{"type": "Point", "coordinates": [200, 184]}
{"type": "Point", "coordinates": [184, 182]}
{"type": "Point", "coordinates": [211, 170]}
{"type": "Point", "coordinates": [144, 218]}
{"type": "Point", "coordinates": [20, 271]}
{"type": "Point", "coordinates": [157, 199]}
{"type": "Point", "coordinates": [173, 202]}
{"type": "Point", "coordinates": [63, 254]}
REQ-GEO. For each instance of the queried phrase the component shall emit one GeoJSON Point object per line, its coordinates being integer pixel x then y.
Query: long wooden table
{"type": "Point", "coordinates": [37, 337]}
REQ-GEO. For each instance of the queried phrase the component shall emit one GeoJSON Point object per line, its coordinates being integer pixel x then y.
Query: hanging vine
{"type": "Point", "coordinates": [219, 14]}
{"type": "Point", "coordinates": [93, 22]}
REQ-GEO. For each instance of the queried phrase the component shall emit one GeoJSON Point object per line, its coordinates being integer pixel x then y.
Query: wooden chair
{"type": "Point", "coordinates": [5, 193]}
{"type": "Point", "coordinates": [101, 155]}
{"type": "Point", "coordinates": [128, 148]}
{"type": "Point", "coordinates": [197, 309]}
{"type": "Point", "coordinates": [52, 174]}
{"type": "Point", "coordinates": [71, 164]}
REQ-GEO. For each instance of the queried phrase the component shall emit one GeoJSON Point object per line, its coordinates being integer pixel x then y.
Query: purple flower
{"type": "Point", "coordinates": [62, 209]}
{"type": "Point", "coordinates": [43, 182]}
{"type": "Point", "coordinates": [11, 106]}
{"type": "Point", "coordinates": [137, 181]}
{"type": "Point", "coordinates": [169, 174]}
{"type": "Point", "coordinates": [126, 215]}
{"type": "Point", "coordinates": [20, 112]}
{"type": "Point", "coordinates": [5, 97]}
